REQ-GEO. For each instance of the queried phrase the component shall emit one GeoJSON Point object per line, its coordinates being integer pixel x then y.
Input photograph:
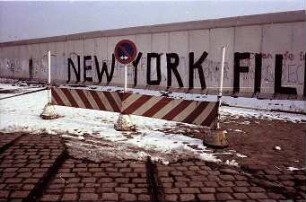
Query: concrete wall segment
{"type": "Point", "coordinates": [267, 34]}
{"type": "Point", "coordinates": [271, 18]}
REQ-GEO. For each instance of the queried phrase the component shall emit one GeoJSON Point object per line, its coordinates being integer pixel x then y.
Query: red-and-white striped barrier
{"type": "Point", "coordinates": [89, 99]}
{"type": "Point", "coordinates": [199, 113]}
{"type": "Point", "coordinates": [194, 112]}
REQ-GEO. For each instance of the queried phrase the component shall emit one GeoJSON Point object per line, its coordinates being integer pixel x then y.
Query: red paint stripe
{"type": "Point", "coordinates": [57, 98]}
{"type": "Point", "coordinates": [136, 104]}
{"type": "Point", "coordinates": [84, 98]}
{"type": "Point", "coordinates": [125, 96]}
{"type": "Point", "coordinates": [155, 108]}
{"type": "Point", "coordinates": [211, 117]}
{"type": "Point", "coordinates": [176, 110]}
{"type": "Point", "coordinates": [111, 101]}
{"type": "Point", "coordinates": [68, 95]}
{"type": "Point", "coordinates": [195, 113]}
{"type": "Point", "coordinates": [97, 99]}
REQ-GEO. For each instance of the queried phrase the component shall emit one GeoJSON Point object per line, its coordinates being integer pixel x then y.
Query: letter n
{"type": "Point", "coordinates": [77, 72]}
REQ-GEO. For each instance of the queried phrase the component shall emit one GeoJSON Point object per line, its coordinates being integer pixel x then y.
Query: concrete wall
{"type": "Point", "coordinates": [261, 36]}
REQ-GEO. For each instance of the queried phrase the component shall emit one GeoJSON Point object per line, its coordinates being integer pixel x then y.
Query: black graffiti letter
{"type": "Point", "coordinates": [76, 71]}
{"type": "Point", "coordinates": [158, 73]}
{"type": "Point", "coordinates": [109, 76]}
{"type": "Point", "coordinates": [173, 66]}
{"type": "Point", "coordinates": [31, 68]}
{"type": "Point", "coordinates": [135, 64]}
{"type": "Point", "coordinates": [258, 64]}
{"type": "Point", "coordinates": [197, 65]}
{"type": "Point", "coordinates": [238, 69]}
{"type": "Point", "coordinates": [87, 67]}
{"type": "Point", "coordinates": [278, 77]}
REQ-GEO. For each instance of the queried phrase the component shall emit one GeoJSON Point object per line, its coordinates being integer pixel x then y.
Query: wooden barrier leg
{"type": "Point", "coordinates": [217, 138]}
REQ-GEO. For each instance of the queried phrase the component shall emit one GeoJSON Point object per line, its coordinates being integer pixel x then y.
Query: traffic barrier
{"type": "Point", "coordinates": [89, 99]}
{"type": "Point", "coordinates": [187, 111]}
{"type": "Point", "coordinates": [194, 112]}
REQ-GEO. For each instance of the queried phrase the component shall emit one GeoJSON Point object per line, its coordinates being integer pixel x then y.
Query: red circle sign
{"type": "Point", "coordinates": [125, 51]}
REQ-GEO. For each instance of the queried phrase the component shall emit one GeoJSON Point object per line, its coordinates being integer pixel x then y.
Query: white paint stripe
{"type": "Point", "coordinates": [186, 112]}
{"type": "Point", "coordinates": [146, 106]}
{"type": "Point", "coordinates": [117, 99]}
{"type": "Point", "coordinates": [104, 100]}
{"type": "Point", "coordinates": [204, 114]}
{"type": "Point", "coordinates": [63, 97]}
{"type": "Point", "coordinates": [130, 100]}
{"type": "Point", "coordinates": [53, 100]}
{"type": "Point", "coordinates": [77, 98]}
{"type": "Point", "coordinates": [91, 100]}
{"type": "Point", "coordinates": [166, 109]}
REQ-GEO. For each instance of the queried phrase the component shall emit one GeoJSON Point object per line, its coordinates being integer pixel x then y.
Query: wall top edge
{"type": "Point", "coordinates": [270, 18]}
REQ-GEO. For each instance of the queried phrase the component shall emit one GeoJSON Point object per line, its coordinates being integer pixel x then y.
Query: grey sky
{"type": "Point", "coordinates": [25, 20]}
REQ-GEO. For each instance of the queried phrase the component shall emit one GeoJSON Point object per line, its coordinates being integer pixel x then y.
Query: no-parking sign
{"type": "Point", "coordinates": [125, 51]}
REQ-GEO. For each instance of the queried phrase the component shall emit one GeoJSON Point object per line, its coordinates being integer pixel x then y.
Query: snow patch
{"type": "Point", "coordinates": [241, 155]}
{"type": "Point", "coordinates": [239, 131]}
{"type": "Point", "coordinates": [258, 114]}
{"type": "Point", "coordinates": [18, 88]}
{"type": "Point", "coordinates": [278, 148]}
{"type": "Point", "coordinates": [91, 133]}
{"type": "Point", "coordinates": [231, 163]}
{"type": "Point", "coordinates": [293, 169]}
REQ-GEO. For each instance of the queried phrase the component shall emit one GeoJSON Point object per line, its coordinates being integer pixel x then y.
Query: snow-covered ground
{"type": "Point", "coordinates": [91, 133]}
{"type": "Point", "coordinates": [236, 112]}
{"type": "Point", "coordinates": [17, 88]}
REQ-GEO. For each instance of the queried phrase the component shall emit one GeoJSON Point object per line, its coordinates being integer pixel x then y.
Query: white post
{"type": "Point", "coordinates": [49, 111]}
{"type": "Point", "coordinates": [222, 71]}
{"type": "Point", "coordinates": [49, 76]}
{"type": "Point", "coordinates": [49, 67]}
{"type": "Point", "coordinates": [125, 78]}
{"type": "Point", "coordinates": [221, 84]}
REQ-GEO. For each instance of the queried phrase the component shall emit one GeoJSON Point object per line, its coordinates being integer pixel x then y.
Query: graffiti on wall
{"type": "Point", "coordinates": [36, 67]}
{"type": "Point", "coordinates": [282, 70]}
{"type": "Point", "coordinates": [249, 72]}
{"type": "Point", "coordinates": [13, 65]}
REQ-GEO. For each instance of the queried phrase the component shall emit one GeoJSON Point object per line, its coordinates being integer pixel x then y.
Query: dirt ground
{"type": "Point", "coordinates": [257, 139]}
{"type": "Point", "coordinates": [257, 143]}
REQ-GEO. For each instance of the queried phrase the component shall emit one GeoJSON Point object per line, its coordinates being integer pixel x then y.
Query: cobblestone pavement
{"type": "Point", "coordinates": [38, 168]}
{"type": "Point", "coordinates": [7, 140]}
{"type": "Point", "coordinates": [200, 181]}
{"type": "Point", "coordinates": [79, 180]}
{"type": "Point", "coordinates": [26, 165]}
